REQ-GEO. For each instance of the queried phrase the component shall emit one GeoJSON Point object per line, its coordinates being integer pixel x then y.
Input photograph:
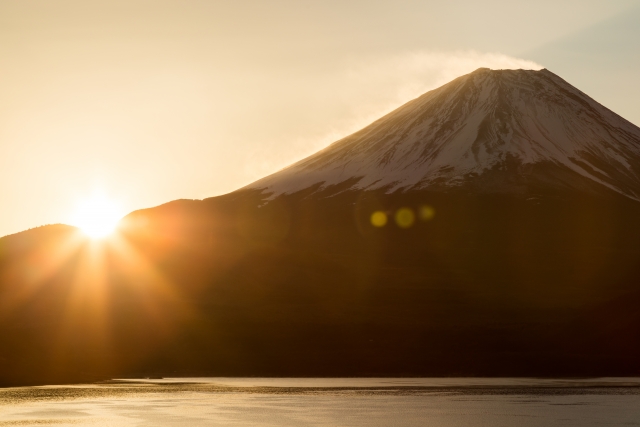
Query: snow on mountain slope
{"type": "Point", "coordinates": [478, 123]}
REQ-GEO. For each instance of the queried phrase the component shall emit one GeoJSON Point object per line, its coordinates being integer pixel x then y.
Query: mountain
{"type": "Point", "coordinates": [488, 227]}
{"type": "Point", "coordinates": [514, 128]}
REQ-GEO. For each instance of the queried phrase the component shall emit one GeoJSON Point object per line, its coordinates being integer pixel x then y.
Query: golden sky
{"type": "Point", "coordinates": [151, 101]}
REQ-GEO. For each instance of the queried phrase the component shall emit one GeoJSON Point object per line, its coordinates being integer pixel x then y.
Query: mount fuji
{"type": "Point", "coordinates": [473, 129]}
{"type": "Point", "coordinates": [489, 227]}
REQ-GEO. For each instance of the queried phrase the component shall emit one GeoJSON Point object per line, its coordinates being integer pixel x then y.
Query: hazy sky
{"type": "Point", "coordinates": [151, 101]}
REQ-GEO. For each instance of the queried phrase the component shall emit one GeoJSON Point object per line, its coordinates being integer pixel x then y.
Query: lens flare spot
{"type": "Point", "coordinates": [427, 212]}
{"type": "Point", "coordinates": [379, 219]}
{"type": "Point", "coordinates": [405, 217]}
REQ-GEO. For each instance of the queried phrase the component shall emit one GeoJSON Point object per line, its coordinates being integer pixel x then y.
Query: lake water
{"type": "Point", "coordinates": [327, 402]}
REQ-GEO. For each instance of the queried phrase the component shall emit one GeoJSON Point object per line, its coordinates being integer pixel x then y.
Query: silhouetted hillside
{"type": "Point", "coordinates": [525, 266]}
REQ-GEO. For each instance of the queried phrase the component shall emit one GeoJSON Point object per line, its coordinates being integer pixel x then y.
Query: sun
{"type": "Point", "coordinates": [97, 216]}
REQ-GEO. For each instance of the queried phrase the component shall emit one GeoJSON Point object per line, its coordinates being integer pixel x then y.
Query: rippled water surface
{"type": "Point", "coordinates": [327, 402]}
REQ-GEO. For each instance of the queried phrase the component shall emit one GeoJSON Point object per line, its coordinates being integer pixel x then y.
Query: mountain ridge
{"type": "Point", "coordinates": [476, 123]}
{"type": "Point", "coordinates": [524, 269]}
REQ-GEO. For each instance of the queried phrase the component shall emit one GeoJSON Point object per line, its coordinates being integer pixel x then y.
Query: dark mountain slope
{"type": "Point", "coordinates": [520, 268]}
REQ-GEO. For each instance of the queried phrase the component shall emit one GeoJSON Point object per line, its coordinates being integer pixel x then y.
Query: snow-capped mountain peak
{"type": "Point", "coordinates": [484, 122]}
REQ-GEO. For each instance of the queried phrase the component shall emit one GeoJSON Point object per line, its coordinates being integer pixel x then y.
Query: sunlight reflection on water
{"type": "Point", "coordinates": [325, 402]}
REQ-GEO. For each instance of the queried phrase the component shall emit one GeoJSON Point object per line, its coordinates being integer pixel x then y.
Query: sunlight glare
{"type": "Point", "coordinates": [97, 216]}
